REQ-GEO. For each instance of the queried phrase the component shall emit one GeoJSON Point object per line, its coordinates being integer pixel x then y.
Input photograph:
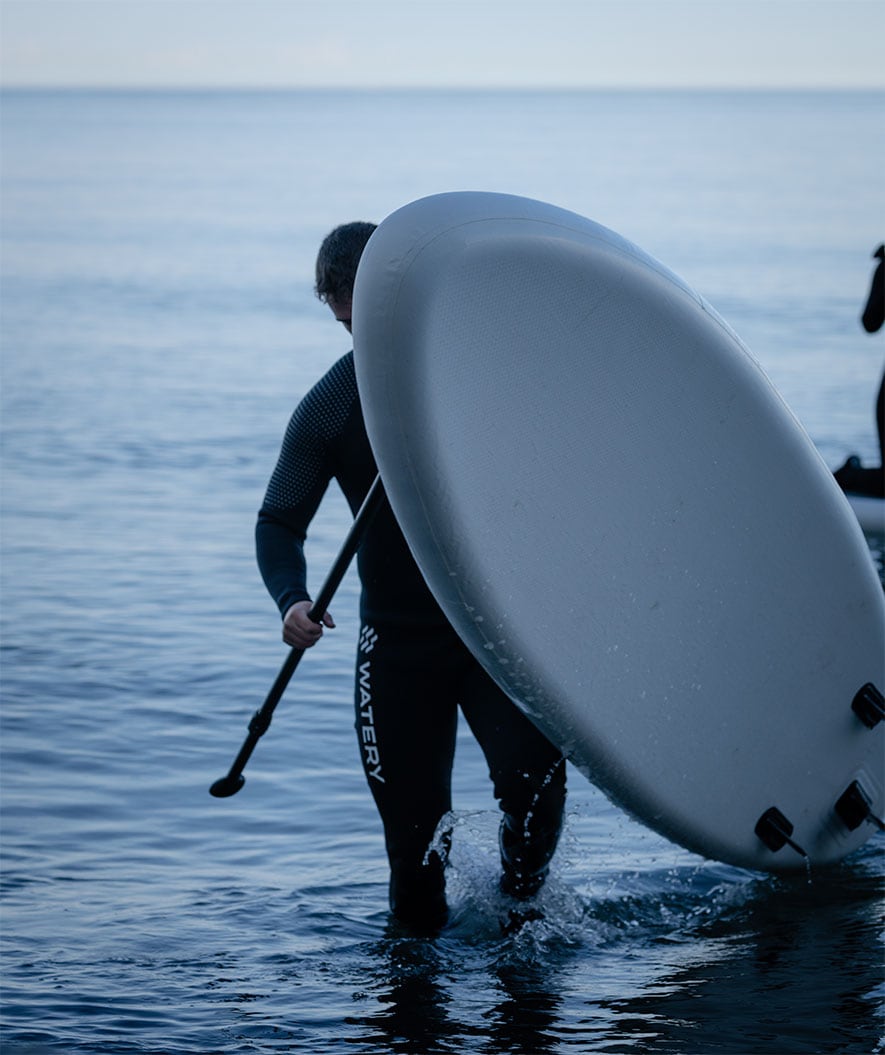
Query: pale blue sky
{"type": "Point", "coordinates": [825, 43]}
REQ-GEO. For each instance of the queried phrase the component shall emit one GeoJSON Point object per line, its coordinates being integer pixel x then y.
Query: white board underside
{"type": "Point", "coordinates": [622, 520]}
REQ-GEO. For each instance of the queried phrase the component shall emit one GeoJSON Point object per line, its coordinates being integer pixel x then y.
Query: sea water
{"type": "Point", "coordinates": [158, 327]}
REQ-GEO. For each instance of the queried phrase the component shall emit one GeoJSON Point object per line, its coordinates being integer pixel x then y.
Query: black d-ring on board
{"type": "Point", "coordinates": [869, 705]}
{"type": "Point", "coordinates": [775, 830]}
{"type": "Point", "coordinates": [854, 806]}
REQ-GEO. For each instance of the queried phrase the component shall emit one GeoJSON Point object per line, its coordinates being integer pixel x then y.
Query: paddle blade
{"type": "Point", "coordinates": [227, 786]}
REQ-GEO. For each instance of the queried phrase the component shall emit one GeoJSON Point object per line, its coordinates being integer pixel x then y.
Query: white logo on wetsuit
{"type": "Point", "coordinates": [368, 739]}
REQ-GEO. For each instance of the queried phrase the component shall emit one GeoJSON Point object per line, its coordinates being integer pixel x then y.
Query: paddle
{"type": "Point", "coordinates": [258, 726]}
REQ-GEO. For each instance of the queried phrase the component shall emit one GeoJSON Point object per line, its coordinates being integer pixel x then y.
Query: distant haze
{"type": "Point", "coordinates": [444, 43]}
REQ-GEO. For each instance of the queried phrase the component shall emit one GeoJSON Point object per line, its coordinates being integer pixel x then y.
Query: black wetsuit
{"type": "Point", "coordinates": [872, 319]}
{"type": "Point", "coordinates": [412, 670]}
{"type": "Point", "coordinates": [852, 476]}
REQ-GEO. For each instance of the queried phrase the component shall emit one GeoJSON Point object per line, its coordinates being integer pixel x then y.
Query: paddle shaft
{"type": "Point", "coordinates": [261, 720]}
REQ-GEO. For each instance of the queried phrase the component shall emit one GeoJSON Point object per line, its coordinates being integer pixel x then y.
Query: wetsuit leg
{"type": "Point", "coordinates": [406, 720]}
{"type": "Point", "coordinates": [528, 774]}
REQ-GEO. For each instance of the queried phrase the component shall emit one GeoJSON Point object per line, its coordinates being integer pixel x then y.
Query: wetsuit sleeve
{"type": "Point", "coordinates": [304, 469]}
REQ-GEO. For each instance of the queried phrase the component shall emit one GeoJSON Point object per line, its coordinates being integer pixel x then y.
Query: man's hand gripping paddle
{"type": "Point", "coordinates": [258, 726]}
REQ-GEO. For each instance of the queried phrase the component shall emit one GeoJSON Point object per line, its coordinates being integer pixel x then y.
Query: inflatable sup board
{"type": "Point", "coordinates": [545, 402]}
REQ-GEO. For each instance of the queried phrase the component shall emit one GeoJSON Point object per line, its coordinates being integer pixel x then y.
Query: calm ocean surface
{"type": "Point", "coordinates": [158, 327]}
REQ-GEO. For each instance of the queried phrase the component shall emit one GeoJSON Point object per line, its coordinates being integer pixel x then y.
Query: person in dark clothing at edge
{"type": "Point", "coordinates": [852, 476]}
{"type": "Point", "coordinates": [412, 671]}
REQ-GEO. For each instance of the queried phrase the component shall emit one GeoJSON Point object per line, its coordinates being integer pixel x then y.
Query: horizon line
{"type": "Point", "coordinates": [215, 87]}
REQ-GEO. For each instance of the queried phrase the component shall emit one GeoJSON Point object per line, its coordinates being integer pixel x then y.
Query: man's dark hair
{"type": "Point", "coordinates": [338, 258]}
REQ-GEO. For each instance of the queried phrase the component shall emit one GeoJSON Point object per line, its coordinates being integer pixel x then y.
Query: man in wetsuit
{"type": "Point", "coordinates": [412, 671]}
{"type": "Point", "coordinates": [872, 319]}
{"type": "Point", "coordinates": [852, 476]}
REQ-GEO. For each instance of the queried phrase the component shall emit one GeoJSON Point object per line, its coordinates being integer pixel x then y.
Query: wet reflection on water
{"type": "Point", "coordinates": [761, 966]}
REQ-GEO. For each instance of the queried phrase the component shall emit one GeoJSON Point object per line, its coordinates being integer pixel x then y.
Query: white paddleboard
{"type": "Point", "coordinates": [870, 512]}
{"type": "Point", "coordinates": [626, 525]}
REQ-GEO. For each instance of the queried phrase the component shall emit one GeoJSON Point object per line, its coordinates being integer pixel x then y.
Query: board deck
{"type": "Point", "coordinates": [545, 402]}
